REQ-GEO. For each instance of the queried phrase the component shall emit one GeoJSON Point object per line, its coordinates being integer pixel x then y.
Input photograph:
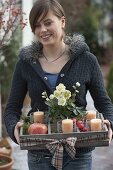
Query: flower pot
{"type": "Point", "coordinates": [5, 147]}
{"type": "Point", "coordinates": [6, 162]}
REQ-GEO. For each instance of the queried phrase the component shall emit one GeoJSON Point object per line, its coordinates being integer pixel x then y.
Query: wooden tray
{"type": "Point", "coordinates": [84, 139]}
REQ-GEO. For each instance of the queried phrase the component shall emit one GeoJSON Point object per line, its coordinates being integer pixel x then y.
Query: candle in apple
{"type": "Point", "coordinates": [67, 125]}
{"type": "Point", "coordinates": [91, 114]}
{"type": "Point", "coordinates": [96, 124]}
{"type": "Point", "coordinates": [38, 117]}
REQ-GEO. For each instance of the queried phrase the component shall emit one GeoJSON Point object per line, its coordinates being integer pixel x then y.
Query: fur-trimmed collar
{"type": "Point", "coordinates": [76, 45]}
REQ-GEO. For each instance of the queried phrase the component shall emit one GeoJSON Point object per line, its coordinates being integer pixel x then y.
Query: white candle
{"type": "Point", "coordinates": [91, 114]}
{"type": "Point", "coordinates": [67, 125]}
{"type": "Point", "coordinates": [38, 117]}
{"type": "Point", "coordinates": [95, 124]}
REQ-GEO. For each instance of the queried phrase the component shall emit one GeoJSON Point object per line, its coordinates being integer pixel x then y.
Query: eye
{"type": "Point", "coordinates": [48, 23]}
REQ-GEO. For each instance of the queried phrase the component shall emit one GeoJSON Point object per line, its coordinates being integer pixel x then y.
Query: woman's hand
{"type": "Point", "coordinates": [110, 133]}
{"type": "Point", "coordinates": [17, 131]}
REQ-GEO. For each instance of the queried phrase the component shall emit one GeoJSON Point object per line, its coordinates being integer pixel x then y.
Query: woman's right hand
{"type": "Point", "coordinates": [17, 131]}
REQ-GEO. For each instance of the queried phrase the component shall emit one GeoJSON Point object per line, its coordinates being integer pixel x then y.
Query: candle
{"type": "Point", "coordinates": [91, 114]}
{"type": "Point", "coordinates": [95, 124]}
{"type": "Point", "coordinates": [38, 117]}
{"type": "Point", "coordinates": [67, 125]}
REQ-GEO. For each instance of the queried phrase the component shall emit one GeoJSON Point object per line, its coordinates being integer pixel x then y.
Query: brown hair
{"type": "Point", "coordinates": [42, 7]}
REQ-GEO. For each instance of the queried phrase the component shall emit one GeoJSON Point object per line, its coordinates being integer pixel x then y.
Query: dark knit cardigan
{"type": "Point", "coordinates": [29, 77]}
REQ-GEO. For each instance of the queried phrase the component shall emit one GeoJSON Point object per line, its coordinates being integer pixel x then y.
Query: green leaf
{"type": "Point", "coordinates": [73, 105]}
{"type": "Point", "coordinates": [75, 112]}
{"type": "Point", "coordinates": [48, 103]}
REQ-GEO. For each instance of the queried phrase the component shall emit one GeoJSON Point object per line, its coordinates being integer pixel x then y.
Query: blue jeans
{"type": "Point", "coordinates": [42, 161]}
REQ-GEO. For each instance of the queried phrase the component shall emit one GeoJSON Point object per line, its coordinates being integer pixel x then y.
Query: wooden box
{"type": "Point", "coordinates": [84, 139]}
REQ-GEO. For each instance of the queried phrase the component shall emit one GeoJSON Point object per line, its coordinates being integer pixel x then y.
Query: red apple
{"type": "Point", "coordinates": [37, 128]}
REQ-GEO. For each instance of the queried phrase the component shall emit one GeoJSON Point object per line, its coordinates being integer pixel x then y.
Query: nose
{"type": "Point", "coordinates": [43, 28]}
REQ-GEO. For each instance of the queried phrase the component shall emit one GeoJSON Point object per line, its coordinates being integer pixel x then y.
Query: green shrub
{"type": "Point", "coordinates": [7, 67]}
{"type": "Point", "coordinates": [110, 82]}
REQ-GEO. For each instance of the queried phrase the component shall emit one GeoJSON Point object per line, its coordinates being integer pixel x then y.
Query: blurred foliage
{"type": "Point", "coordinates": [89, 26]}
{"type": "Point", "coordinates": [11, 18]}
{"type": "Point", "coordinates": [74, 10]}
{"type": "Point", "coordinates": [12, 23]}
{"type": "Point", "coordinates": [7, 64]}
{"type": "Point", "coordinates": [88, 18]}
{"type": "Point", "coordinates": [110, 83]}
{"type": "Point", "coordinates": [110, 24]}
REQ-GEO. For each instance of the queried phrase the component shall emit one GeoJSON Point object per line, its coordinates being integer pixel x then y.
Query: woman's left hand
{"type": "Point", "coordinates": [110, 133]}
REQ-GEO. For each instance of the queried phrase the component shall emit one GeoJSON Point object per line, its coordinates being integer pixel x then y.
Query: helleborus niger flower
{"type": "Point", "coordinates": [62, 103]}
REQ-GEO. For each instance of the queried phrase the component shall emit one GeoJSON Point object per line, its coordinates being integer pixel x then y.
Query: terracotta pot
{"type": "Point", "coordinates": [5, 147]}
{"type": "Point", "coordinates": [9, 163]}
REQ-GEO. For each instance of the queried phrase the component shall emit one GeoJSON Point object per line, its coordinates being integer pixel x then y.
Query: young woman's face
{"type": "Point", "coordinates": [49, 31]}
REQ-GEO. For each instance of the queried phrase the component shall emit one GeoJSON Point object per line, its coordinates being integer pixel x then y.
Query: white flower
{"type": "Point", "coordinates": [62, 101]}
{"type": "Point", "coordinates": [44, 97]}
{"type": "Point", "coordinates": [47, 99]}
{"type": "Point", "coordinates": [67, 94]}
{"type": "Point", "coordinates": [60, 87]}
{"type": "Point", "coordinates": [57, 94]}
{"type": "Point", "coordinates": [44, 93]}
{"type": "Point", "coordinates": [74, 87]}
{"type": "Point", "coordinates": [51, 96]}
{"type": "Point", "coordinates": [77, 84]}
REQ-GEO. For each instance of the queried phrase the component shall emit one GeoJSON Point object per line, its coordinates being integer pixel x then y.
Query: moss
{"type": "Point", "coordinates": [3, 162]}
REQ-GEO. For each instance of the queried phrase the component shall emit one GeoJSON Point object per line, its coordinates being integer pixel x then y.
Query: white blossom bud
{"type": "Point", "coordinates": [44, 93]}
{"type": "Point", "coordinates": [51, 96]}
{"type": "Point", "coordinates": [77, 84]}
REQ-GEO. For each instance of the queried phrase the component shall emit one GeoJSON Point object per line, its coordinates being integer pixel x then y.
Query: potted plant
{"type": "Point", "coordinates": [61, 103]}
{"type": "Point", "coordinates": [6, 162]}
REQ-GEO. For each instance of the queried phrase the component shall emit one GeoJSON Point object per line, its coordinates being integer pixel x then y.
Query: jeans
{"type": "Point", "coordinates": [42, 161]}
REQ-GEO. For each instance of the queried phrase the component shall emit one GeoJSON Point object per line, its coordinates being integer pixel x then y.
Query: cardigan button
{"type": "Point", "coordinates": [62, 75]}
{"type": "Point", "coordinates": [34, 62]}
{"type": "Point", "coordinates": [45, 78]}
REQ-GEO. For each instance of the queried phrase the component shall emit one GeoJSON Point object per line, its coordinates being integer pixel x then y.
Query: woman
{"type": "Point", "coordinates": [55, 59]}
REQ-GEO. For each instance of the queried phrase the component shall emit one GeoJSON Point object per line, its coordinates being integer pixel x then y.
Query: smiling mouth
{"type": "Point", "coordinates": [44, 37]}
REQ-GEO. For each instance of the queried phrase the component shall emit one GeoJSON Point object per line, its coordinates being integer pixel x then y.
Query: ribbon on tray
{"type": "Point", "coordinates": [56, 148]}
